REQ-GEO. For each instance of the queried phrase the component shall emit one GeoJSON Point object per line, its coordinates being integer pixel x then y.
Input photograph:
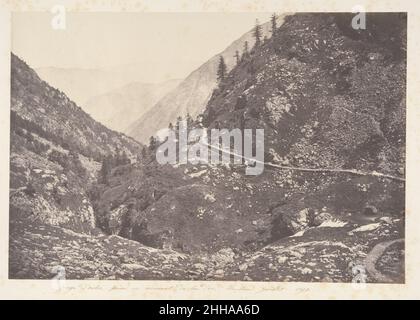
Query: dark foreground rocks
{"type": "Point", "coordinates": [322, 253]}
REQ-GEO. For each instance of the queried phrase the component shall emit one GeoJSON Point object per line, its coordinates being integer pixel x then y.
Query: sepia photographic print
{"type": "Point", "coordinates": [204, 147]}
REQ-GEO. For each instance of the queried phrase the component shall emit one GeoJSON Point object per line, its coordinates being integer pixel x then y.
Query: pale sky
{"type": "Point", "coordinates": [162, 45]}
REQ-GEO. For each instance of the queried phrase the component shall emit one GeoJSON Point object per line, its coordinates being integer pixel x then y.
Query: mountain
{"type": "Point", "coordinates": [192, 94]}
{"type": "Point", "coordinates": [82, 84]}
{"type": "Point", "coordinates": [332, 103]}
{"type": "Point", "coordinates": [34, 101]}
{"type": "Point", "coordinates": [56, 153]}
{"type": "Point", "coordinates": [117, 109]}
{"type": "Point", "coordinates": [331, 198]}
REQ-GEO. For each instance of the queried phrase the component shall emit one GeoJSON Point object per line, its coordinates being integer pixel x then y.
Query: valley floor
{"type": "Point", "coordinates": [345, 253]}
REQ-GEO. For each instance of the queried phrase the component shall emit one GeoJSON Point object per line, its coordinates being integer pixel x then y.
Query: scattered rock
{"type": "Point", "coordinates": [281, 259]}
{"type": "Point", "coordinates": [243, 267]}
{"type": "Point", "coordinates": [306, 271]}
{"type": "Point", "coordinates": [297, 221]}
{"type": "Point", "coordinates": [370, 211]}
{"type": "Point", "coordinates": [321, 218]}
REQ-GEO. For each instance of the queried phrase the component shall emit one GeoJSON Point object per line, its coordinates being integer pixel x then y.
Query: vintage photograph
{"type": "Point", "coordinates": [248, 146]}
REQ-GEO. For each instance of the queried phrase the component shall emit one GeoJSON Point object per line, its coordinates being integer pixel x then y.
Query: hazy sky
{"type": "Point", "coordinates": [162, 45]}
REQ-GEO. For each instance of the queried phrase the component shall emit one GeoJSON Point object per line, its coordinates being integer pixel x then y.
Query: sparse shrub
{"type": "Point", "coordinates": [105, 171]}
{"type": "Point", "coordinates": [29, 137]}
{"type": "Point", "coordinates": [20, 132]}
{"type": "Point", "coordinates": [221, 70]}
{"type": "Point", "coordinates": [59, 158]}
{"type": "Point", "coordinates": [254, 113]}
{"type": "Point", "coordinates": [56, 195]}
{"type": "Point", "coordinates": [240, 103]}
{"type": "Point", "coordinates": [30, 190]}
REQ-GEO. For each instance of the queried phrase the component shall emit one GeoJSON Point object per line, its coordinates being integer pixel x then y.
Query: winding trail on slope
{"type": "Point", "coordinates": [277, 166]}
{"type": "Point", "coordinates": [373, 256]}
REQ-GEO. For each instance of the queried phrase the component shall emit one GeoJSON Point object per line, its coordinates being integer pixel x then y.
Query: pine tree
{"type": "Point", "coordinates": [245, 54]}
{"type": "Point", "coordinates": [124, 158]}
{"type": "Point", "coordinates": [211, 115]}
{"type": "Point", "coordinates": [257, 33]}
{"type": "Point", "coordinates": [153, 143]}
{"type": "Point", "coordinates": [177, 126]}
{"type": "Point", "coordinates": [144, 153]}
{"type": "Point", "coordinates": [190, 121]}
{"type": "Point", "coordinates": [273, 24]}
{"type": "Point", "coordinates": [199, 121]}
{"type": "Point", "coordinates": [237, 56]}
{"type": "Point", "coordinates": [105, 170]}
{"type": "Point", "coordinates": [221, 70]}
{"type": "Point", "coordinates": [242, 128]}
{"type": "Point", "coordinates": [117, 158]}
{"type": "Point", "coordinates": [30, 190]}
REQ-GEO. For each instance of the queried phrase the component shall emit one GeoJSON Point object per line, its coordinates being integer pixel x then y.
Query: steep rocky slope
{"type": "Point", "coordinates": [115, 96]}
{"type": "Point", "coordinates": [331, 197]}
{"type": "Point", "coordinates": [192, 94]}
{"type": "Point", "coordinates": [331, 103]}
{"type": "Point", "coordinates": [80, 84]}
{"type": "Point", "coordinates": [51, 113]}
{"type": "Point", "coordinates": [56, 150]}
{"type": "Point", "coordinates": [325, 97]}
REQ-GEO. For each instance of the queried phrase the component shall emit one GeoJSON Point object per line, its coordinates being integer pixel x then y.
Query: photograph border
{"type": "Point", "coordinates": [146, 289]}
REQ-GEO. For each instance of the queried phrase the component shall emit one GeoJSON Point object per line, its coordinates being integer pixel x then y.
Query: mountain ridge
{"type": "Point", "coordinates": [56, 153]}
{"type": "Point", "coordinates": [192, 93]}
{"type": "Point", "coordinates": [117, 108]}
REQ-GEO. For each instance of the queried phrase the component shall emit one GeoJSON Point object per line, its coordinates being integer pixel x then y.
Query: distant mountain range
{"type": "Point", "coordinates": [115, 97]}
{"type": "Point", "coordinates": [192, 94]}
{"type": "Point", "coordinates": [118, 98]}
{"type": "Point", "coordinates": [117, 108]}
{"type": "Point", "coordinates": [56, 152]}
{"type": "Point", "coordinates": [83, 84]}
{"type": "Point", "coordinates": [59, 117]}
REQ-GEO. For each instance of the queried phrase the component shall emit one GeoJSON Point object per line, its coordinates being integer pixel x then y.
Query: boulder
{"type": "Point", "coordinates": [321, 217]}
{"type": "Point", "coordinates": [370, 211]}
{"type": "Point", "coordinates": [224, 256]}
{"type": "Point", "coordinates": [297, 221]}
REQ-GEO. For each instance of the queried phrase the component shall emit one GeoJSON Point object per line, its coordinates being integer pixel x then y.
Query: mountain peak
{"type": "Point", "coordinates": [192, 94]}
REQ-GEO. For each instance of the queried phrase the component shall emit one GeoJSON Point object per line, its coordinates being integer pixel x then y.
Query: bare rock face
{"type": "Point", "coordinates": [298, 221]}
{"type": "Point", "coordinates": [44, 193]}
{"type": "Point", "coordinates": [197, 218]}
{"type": "Point", "coordinates": [56, 150]}
{"type": "Point", "coordinates": [322, 217]}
